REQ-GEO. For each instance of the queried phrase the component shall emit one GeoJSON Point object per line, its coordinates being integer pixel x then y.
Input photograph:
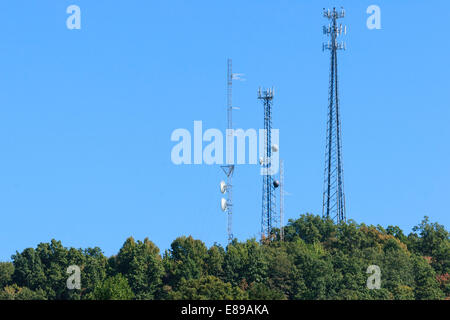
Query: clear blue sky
{"type": "Point", "coordinates": [86, 115]}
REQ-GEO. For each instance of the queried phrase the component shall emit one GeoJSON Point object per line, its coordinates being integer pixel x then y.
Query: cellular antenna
{"type": "Point", "coordinates": [333, 194]}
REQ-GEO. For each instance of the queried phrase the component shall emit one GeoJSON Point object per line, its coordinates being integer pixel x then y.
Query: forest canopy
{"type": "Point", "coordinates": [317, 260]}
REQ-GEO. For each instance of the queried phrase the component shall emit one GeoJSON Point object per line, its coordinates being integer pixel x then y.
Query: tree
{"type": "Point", "coordinates": [259, 291]}
{"type": "Point", "coordinates": [141, 263]}
{"type": "Point", "coordinates": [45, 268]}
{"type": "Point", "coordinates": [314, 277]}
{"type": "Point", "coordinates": [426, 285]}
{"type": "Point", "coordinates": [432, 240]}
{"type": "Point", "coordinates": [397, 233]}
{"type": "Point", "coordinates": [207, 288]}
{"type": "Point", "coordinates": [14, 292]}
{"type": "Point", "coordinates": [317, 260]}
{"type": "Point", "coordinates": [187, 260]}
{"type": "Point", "coordinates": [113, 288]}
{"type": "Point", "coordinates": [397, 269]}
{"type": "Point", "coordinates": [244, 260]}
{"type": "Point", "coordinates": [28, 270]}
{"type": "Point", "coordinates": [280, 274]}
{"type": "Point", "coordinates": [93, 266]}
{"type": "Point", "coordinates": [6, 272]}
{"type": "Point", "coordinates": [215, 260]}
{"type": "Point", "coordinates": [310, 229]}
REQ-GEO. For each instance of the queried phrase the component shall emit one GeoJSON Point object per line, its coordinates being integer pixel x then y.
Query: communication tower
{"type": "Point", "coordinates": [269, 216]}
{"type": "Point", "coordinates": [227, 187]}
{"type": "Point", "coordinates": [333, 194]}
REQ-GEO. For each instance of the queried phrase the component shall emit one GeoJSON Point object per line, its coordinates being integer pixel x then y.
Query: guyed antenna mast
{"type": "Point", "coordinates": [228, 168]}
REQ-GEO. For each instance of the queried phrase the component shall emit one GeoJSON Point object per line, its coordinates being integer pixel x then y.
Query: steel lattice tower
{"type": "Point", "coordinates": [333, 194]}
{"type": "Point", "coordinates": [269, 216]}
{"type": "Point", "coordinates": [229, 167]}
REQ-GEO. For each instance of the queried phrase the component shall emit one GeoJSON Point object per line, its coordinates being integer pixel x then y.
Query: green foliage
{"type": "Point", "coordinates": [215, 261]}
{"type": "Point", "coordinates": [432, 240]}
{"type": "Point", "coordinates": [45, 268]}
{"type": "Point", "coordinates": [403, 292]}
{"type": "Point", "coordinates": [314, 277]}
{"type": "Point", "coordinates": [141, 263]}
{"type": "Point", "coordinates": [14, 292]}
{"type": "Point", "coordinates": [310, 229]}
{"type": "Point", "coordinates": [317, 260]}
{"type": "Point", "coordinates": [93, 266]}
{"type": "Point", "coordinates": [207, 288]}
{"type": "Point", "coordinates": [259, 291]}
{"type": "Point", "coordinates": [280, 274]}
{"type": "Point", "coordinates": [113, 288]}
{"type": "Point", "coordinates": [6, 272]}
{"type": "Point", "coordinates": [426, 288]}
{"type": "Point", "coordinates": [186, 260]}
{"type": "Point", "coordinates": [245, 261]}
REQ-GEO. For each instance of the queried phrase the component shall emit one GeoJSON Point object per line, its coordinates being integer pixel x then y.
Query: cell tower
{"type": "Point", "coordinates": [269, 217]}
{"type": "Point", "coordinates": [333, 194]}
{"type": "Point", "coordinates": [227, 187]}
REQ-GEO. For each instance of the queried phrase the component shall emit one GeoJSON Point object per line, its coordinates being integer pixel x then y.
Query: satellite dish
{"type": "Point", "coordinates": [223, 204]}
{"type": "Point", "coordinates": [276, 183]}
{"type": "Point", "coordinates": [223, 187]}
{"type": "Point", "coordinates": [275, 148]}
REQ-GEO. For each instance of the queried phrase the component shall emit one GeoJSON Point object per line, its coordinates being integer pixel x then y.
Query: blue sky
{"type": "Point", "coordinates": [86, 115]}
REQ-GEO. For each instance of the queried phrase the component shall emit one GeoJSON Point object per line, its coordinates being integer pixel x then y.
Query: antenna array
{"type": "Point", "coordinates": [333, 194]}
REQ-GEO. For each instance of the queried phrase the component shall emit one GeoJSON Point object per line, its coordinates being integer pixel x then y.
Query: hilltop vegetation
{"type": "Point", "coordinates": [317, 260]}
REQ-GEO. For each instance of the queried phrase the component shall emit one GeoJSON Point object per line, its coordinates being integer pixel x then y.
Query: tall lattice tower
{"type": "Point", "coordinates": [227, 187]}
{"type": "Point", "coordinates": [269, 215]}
{"type": "Point", "coordinates": [333, 194]}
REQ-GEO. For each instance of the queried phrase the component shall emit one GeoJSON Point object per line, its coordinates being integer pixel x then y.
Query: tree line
{"type": "Point", "coordinates": [317, 260]}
